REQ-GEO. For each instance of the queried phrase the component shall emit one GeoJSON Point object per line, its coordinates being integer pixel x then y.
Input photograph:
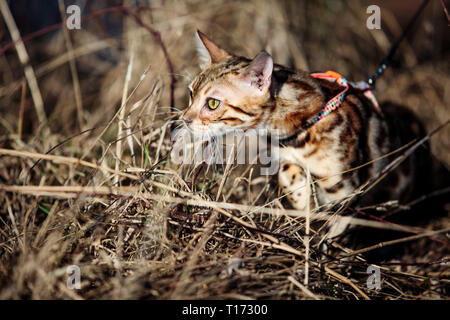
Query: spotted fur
{"type": "Point", "coordinates": [255, 93]}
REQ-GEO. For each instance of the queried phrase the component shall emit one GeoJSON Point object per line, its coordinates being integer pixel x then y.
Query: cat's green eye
{"type": "Point", "coordinates": [213, 103]}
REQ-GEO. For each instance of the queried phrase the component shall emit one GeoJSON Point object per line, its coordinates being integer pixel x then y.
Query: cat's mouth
{"type": "Point", "coordinates": [199, 127]}
{"type": "Point", "coordinates": [187, 121]}
{"type": "Point", "coordinates": [194, 124]}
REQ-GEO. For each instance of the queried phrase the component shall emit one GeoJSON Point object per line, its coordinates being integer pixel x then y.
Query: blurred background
{"type": "Point", "coordinates": [311, 35]}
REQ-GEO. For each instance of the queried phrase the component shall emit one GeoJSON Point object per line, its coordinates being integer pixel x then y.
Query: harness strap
{"type": "Point", "coordinates": [337, 100]}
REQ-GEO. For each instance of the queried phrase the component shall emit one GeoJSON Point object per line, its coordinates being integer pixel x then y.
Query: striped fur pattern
{"type": "Point", "coordinates": [260, 94]}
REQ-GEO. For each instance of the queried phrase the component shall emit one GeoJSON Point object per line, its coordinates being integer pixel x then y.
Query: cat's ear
{"type": "Point", "coordinates": [208, 51]}
{"type": "Point", "coordinates": [259, 73]}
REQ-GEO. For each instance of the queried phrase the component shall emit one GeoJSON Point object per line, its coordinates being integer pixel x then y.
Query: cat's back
{"type": "Point", "coordinates": [377, 138]}
{"type": "Point", "coordinates": [405, 128]}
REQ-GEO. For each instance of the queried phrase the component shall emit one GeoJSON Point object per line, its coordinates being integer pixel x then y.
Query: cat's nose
{"type": "Point", "coordinates": [187, 121]}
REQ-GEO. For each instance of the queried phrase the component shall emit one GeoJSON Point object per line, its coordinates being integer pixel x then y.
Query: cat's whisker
{"type": "Point", "coordinates": [172, 121]}
{"type": "Point", "coordinates": [171, 108]}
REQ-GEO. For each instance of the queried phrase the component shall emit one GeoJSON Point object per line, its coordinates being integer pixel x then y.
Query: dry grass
{"type": "Point", "coordinates": [109, 200]}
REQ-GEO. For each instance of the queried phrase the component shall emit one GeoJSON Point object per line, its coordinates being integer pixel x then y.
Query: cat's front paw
{"type": "Point", "coordinates": [292, 181]}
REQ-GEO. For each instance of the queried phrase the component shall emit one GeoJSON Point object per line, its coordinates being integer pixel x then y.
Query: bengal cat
{"type": "Point", "coordinates": [233, 92]}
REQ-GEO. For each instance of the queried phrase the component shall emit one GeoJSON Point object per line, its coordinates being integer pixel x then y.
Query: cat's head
{"type": "Point", "coordinates": [229, 91]}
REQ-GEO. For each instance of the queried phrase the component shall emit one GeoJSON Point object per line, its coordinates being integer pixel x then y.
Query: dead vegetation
{"type": "Point", "coordinates": [86, 178]}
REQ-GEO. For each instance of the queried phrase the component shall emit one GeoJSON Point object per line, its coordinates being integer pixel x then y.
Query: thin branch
{"type": "Point", "coordinates": [25, 61]}
{"type": "Point", "coordinates": [160, 41]}
{"type": "Point", "coordinates": [445, 12]}
{"type": "Point", "coordinates": [73, 67]}
{"type": "Point", "coordinates": [393, 164]}
{"type": "Point", "coordinates": [122, 113]}
{"type": "Point", "coordinates": [134, 192]}
{"type": "Point", "coordinates": [396, 241]}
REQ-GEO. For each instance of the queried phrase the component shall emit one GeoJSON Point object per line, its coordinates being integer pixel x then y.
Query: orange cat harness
{"type": "Point", "coordinates": [337, 100]}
